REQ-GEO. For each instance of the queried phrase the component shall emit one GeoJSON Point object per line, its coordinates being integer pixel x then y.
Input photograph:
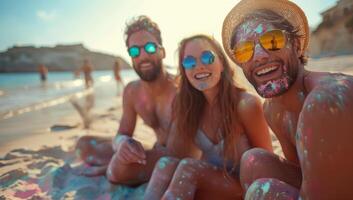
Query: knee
{"type": "Point", "coordinates": [268, 188]}
{"type": "Point", "coordinates": [251, 158]}
{"type": "Point", "coordinates": [251, 162]}
{"type": "Point", "coordinates": [188, 168]}
{"type": "Point", "coordinates": [258, 189]}
{"type": "Point", "coordinates": [83, 145]}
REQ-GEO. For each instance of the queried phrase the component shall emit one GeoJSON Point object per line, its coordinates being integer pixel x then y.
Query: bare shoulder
{"type": "Point", "coordinates": [249, 104]}
{"type": "Point", "coordinates": [329, 95]}
{"type": "Point", "coordinates": [328, 89]}
{"type": "Point", "coordinates": [325, 80]}
{"type": "Point", "coordinates": [131, 89]}
{"type": "Point", "coordinates": [324, 136]}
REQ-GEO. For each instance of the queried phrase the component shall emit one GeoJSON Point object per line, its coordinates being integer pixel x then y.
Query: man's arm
{"type": "Point", "coordinates": [128, 149]}
{"type": "Point", "coordinates": [287, 146]}
{"type": "Point", "coordinates": [324, 142]}
{"type": "Point", "coordinates": [252, 117]}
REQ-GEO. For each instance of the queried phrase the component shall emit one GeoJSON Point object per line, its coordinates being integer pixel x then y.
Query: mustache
{"type": "Point", "coordinates": [145, 61]}
{"type": "Point", "coordinates": [266, 62]}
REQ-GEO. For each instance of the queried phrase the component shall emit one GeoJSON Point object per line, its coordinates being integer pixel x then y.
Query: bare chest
{"type": "Point", "coordinates": [283, 122]}
{"type": "Point", "coordinates": [155, 112]}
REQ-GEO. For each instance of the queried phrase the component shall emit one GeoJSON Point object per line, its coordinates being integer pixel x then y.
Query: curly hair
{"type": "Point", "coordinates": [142, 23]}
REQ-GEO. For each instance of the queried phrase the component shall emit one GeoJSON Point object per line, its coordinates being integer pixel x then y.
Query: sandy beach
{"type": "Point", "coordinates": [40, 166]}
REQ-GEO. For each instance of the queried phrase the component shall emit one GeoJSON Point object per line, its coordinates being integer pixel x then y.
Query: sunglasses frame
{"type": "Point", "coordinates": [139, 47]}
{"type": "Point", "coordinates": [257, 41]}
{"type": "Point", "coordinates": [200, 57]}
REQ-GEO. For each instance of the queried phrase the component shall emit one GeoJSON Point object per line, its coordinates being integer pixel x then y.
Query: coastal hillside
{"type": "Point", "coordinates": [58, 58]}
{"type": "Point", "coordinates": [334, 36]}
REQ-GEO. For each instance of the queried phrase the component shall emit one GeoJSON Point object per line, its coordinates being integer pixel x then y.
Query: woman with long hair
{"type": "Point", "coordinates": [215, 122]}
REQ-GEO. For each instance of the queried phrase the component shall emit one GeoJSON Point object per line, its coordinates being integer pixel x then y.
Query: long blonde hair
{"type": "Point", "coordinates": [190, 102]}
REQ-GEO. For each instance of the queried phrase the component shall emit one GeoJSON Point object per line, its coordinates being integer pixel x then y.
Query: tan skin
{"type": "Point", "coordinates": [43, 72]}
{"type": "Point", "coordinates": [313, 122]}
{"type": "Point", "coordinates": [151, 100]}
{"type": "Point", "coordinates": [117, 71]}
{"type": "Point", "coordinates": [87, 72]}
{"type": "Point", "coordinates": [193, 178]}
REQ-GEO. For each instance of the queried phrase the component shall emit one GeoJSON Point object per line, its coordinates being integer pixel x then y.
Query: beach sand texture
{"type": "Point", "coordinates": [40, 166]}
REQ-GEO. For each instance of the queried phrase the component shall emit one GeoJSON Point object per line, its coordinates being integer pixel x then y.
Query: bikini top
{"type": "Point", "coordinates": [212, 153]}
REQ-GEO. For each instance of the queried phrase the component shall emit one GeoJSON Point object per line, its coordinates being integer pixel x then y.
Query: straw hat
{"type": "Point", "coordinates": [285, 8]}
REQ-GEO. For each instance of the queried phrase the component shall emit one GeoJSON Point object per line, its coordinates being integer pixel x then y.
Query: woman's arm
{"type": "Point", "coordinates": [252, 117]}
{"type": "Point", "coordinates": [180, 148]}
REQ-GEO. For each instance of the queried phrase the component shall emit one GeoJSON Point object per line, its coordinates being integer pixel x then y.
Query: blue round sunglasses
{"type": "Point", "coordinates": [149, 47]}
{"type": "Point", "coordinates": [207, 58]}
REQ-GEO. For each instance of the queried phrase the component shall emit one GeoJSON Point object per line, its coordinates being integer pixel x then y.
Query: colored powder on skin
{"type": "Point", "coordinates": [319, 97]}
{"type": "Point", "coordinates": [259, 29]}
{"type": "Point", "coordinates": [265, 188]}
{"type": "Point", "coordinates": [309, 107]}
{"type": "Point", "coordinates": [253, 191]}
{"type": "Point", "coordinates": [118, 138]}
{"type": "Point", "coordinates": [271, 88]}
{"type": "Point", "coordinates": [90, 158]}
{"type": "Point", "coordinates": [202, 86]}
{"type": "Point", "coordinates": [184, 162]}
{"type": "Point", "coordinates": [301, 96]}
{"type": "Point", "coordinates": [93, 142]}
{"type": "Point", "coordinates": [163, 162]}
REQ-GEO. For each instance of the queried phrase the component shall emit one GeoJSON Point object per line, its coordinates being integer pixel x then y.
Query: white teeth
{"type": "Point", "coordinates": [145, 64]}
{"type": "Point", "coordinates": [266, 70]}
{"type": "Point", "coordinates": [202, 75]}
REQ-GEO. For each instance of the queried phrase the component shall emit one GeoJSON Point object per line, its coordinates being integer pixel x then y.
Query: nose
{"type": "Point", "coordinates": [143, 54]}
{"type": "Point", "coordinates": [200, 65]}
{"type": "Point", "coordinates": [260, 54]}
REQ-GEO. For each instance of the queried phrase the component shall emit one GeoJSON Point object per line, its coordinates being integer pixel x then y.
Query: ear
{"type": "Point", "coordinates": [296, 46]}
{"type": "Point", "coordinates": [162, 52]}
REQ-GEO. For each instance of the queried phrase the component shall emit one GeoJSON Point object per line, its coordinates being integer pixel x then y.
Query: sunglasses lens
{"type": "Point", "coordinates": [134, 52]}
{"type": "Point", "coordinates": [273, 40]}
{"type": "Point", "coordinates": [243, 51]}
{"type": "Point", "coordinates": [150, 48]}
{"type": "Point", "coordinates": [207, 57]}
{"type": "Point", "coordinates": [189, 62]}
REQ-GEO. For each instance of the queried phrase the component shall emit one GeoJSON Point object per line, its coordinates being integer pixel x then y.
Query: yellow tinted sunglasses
{"type": "Point", "coordinates": [271, 41]}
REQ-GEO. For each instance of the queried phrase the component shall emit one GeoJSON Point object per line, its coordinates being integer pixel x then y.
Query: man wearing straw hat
{"type": "Point", "coordinates": [311, 113]}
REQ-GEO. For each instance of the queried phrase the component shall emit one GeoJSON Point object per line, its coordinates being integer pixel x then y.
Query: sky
{"type": "Point", "coordinates": [100, 24]}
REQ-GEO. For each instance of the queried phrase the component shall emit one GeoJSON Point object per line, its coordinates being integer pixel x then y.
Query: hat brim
{"type": "Point", "coordinates": [290, 11]}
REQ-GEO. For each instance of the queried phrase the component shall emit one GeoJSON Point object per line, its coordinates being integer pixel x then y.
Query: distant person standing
{"type": "Point", "coordinates": [43, 72]}
{"type": "Point", "coordinates": [117, 76]}
{"type": "Point", "coordinates": [87, 72]}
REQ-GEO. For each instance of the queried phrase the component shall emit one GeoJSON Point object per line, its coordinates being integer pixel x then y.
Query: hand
{"type": "Point", "coordinates": [130, 151]}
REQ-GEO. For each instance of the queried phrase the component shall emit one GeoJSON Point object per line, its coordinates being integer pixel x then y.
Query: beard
{"type": "Point", "coordinates": [151, 74]}
{"type": "Point", "coordinates": [279, 86]}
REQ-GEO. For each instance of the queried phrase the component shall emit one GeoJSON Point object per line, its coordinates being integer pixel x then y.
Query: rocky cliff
{"type": "Point", "coordinates": [58, 58]}
{"type": "Point", "coordinates": [334, 37]}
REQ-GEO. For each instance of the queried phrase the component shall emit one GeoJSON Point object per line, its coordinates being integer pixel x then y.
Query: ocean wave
{"type": "Point", "coordinates": [45, 104]}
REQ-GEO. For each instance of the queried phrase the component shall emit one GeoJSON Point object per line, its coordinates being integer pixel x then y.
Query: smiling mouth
{"type": "Point", "coordinates": [202, 76]}
{"type": "Point", "coordinates": [146, 65]}
{"type": "Point", "coordinates": [266, 70]}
